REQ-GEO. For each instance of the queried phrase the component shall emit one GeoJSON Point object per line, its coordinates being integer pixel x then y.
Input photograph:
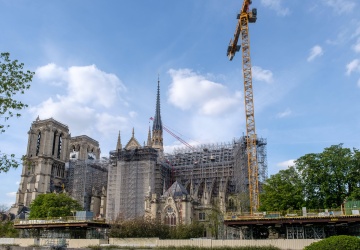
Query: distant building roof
{"type": "Point", "coordinates": [176, 190]}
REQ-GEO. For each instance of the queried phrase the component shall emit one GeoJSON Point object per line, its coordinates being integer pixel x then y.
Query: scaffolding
{"type": "Point", "coordinates": [217, 170]}
{"type": "Point", "coordinates": [133, 175]}
{"type": "Point", "coordinates": [85, 179]}
{"type": "Point", "coordinates": [211, 173]}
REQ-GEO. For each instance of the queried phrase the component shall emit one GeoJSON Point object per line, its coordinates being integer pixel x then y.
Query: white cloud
{"type": "Point", "coordinates": [191, 90]}
{"type": "Point", "coordinates": [340, 6]}
{"type": "Point", "coordinates": [108, 123]}
{"type": "Point", "coordinates": [262, 74]}
{"type": "Point", "coordinates": [89, 84]}
{"type": "Point", "coordinates": [52, 74]}
{"type": "Point", "coordinates": [286, 164]}
{"type": "Point", "coordinates": [352, 66]}
{"type": "Point", "coordinates": [287, 112]}
{"type": "Point", "coordinates": [11, 194]}
{"type": "Point", "coordinates": [315, 52]}
{"type": "Point", "coordinates": [277, 6]}
{"type": "Point", "coordinates": [85, 84]}
{"type": "Point", "coordinates": [88, 91]}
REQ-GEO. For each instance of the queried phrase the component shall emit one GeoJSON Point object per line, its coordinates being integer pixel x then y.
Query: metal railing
{"type": "Point", "coordinates": [57, 220]}
{"type": "Point", "coordinates": [336, 212]}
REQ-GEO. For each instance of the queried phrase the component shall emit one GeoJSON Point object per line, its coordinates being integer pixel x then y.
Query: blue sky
{"type": "Point", "coordinates": [97, 64]}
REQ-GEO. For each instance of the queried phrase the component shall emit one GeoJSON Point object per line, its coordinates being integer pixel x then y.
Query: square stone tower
{"type": "Point", "coordinates": [44, 166]}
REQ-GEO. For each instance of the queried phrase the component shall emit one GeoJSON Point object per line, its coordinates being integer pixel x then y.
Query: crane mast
{"type": "Point", "coordinates": [245, 17]}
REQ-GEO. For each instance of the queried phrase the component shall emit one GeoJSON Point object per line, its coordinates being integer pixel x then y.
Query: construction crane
{"type": "Point", "coordinates": [175, 136]}
{"type": "Point", "coordinates": [245, 17]}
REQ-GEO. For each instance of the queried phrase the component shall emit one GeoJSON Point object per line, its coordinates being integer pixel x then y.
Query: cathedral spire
{"type": "Point", "coordinates": [157, 125]}
{"type": "Point", "coordinates": [157, 138]}
{"type": "Point", "coordinates": [118, 145]}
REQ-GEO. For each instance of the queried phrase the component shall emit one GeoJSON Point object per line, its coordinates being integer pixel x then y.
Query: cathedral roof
{"type": "Point", "coordinates": [176, 190]}
{"type": "Point", "coordinates": [133, 143]}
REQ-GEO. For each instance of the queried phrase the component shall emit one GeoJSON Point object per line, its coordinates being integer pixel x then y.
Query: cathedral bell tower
{"type": "Point", "coordinates": [44, 168]}
{"type": "Point", "coordinates": [157, 130]}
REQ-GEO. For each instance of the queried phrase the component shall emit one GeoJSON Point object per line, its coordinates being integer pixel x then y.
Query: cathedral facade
{"type": "Point", "coordinates": [197, 183]}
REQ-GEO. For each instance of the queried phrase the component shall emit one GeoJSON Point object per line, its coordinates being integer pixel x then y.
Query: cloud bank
{"type": "Point", "coordinates": [89, 93]}
{"type": "Point", "coordinates": [190, 90]}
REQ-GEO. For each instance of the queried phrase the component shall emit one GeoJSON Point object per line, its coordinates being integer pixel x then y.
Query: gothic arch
{"type": "Point", "coordinates": [60, 142]}
{"type": "Point", "coordinates": [38, 142]}
{"type": "Point", "coordinates": [170, 216]}
{"type": "Point", "coordinates": [54, 142]}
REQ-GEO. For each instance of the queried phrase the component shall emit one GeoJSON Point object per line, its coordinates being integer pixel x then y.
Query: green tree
{"type": "Point", "coordinates": [354, 176]}
{"type": "Point", "coordinates": [328, 176]}
{"type": "Point", "coordinates": [13, 81]}
{"type": "Point", "coordinates": [53, 205]}
{"type": "Point", "coordinates": [283, 191]}
{"type": "Point", "coordinates": [7, 229]}
{"type": "Point", "coordinates": [142, 227]}
{"type": "Point", "coordinates": [215, 216]}
{"type": "Point", "coordinates": [322, 180]}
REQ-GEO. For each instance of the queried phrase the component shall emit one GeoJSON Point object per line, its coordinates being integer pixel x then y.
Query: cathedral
{"type": "Point", "coordinates": [195, 183]}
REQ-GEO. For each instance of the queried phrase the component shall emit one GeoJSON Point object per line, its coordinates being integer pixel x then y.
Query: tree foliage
{"type": "Point", "coordinates": [53, 205]}
{"type": "Point", "coordinates": [187, 231]}
{"type": "Point", "coordinates": [7, 230]}
{"type": "Point", "coordinates": [14, 80]}
{"type": "Point", "coordinates": [336, 242]}
{"type": "Point", "coordinates": [322, 180]}
{"type": "Point", "coordinates": [141, 227]}
{"type": "Point", "coordinates": [283, 191]}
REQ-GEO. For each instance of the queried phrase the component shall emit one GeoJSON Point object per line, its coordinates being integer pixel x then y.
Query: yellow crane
{"type": "Point", "coordinates": [245, 17]}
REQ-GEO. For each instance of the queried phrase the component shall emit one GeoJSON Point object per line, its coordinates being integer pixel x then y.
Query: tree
{"type": "Point", "coordinates": [13, 80]}
{"type": "Point", "coordinates": [7, 229]}
{"type": "Point", "coordinates": [328, 176]}
{"type": "Point", "coordinates": [354, 177]}
{"type": "Point", "coordinates": [214, 216]}
{"type": "Point", "coordinates": [322, 180]}
{"type": "Point", "coordinates": [283, 191]}
{"type": "Point", "coordinates": [53, 205]}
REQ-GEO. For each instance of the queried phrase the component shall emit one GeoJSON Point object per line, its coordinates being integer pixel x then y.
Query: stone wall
{"type": "Point", "coordinates": [155, 242]}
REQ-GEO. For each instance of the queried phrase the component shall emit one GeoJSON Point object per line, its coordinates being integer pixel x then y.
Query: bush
{"type": "Point", "coordinates": [142, 228]}
{"type": "Point", "coordinates": [7, 230]}
{"type": "Point", "coordinates": [341, 242]}
{"type": "Point", "coordinates": [138, 228]}
{"type": "Point", "coordinates": [222, 248]}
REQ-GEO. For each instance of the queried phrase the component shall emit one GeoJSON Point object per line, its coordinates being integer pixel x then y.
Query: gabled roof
{"type": "Point", "coordinates": [133, 143]}
{"type": "Point", "coordinates": [176, 190]}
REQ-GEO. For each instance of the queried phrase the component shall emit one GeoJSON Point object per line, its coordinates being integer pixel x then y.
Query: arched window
{"type": "Point", "coordinates": [59, 146]}
{"type": "Point", "coordinates": [38, 143]}
{"type": "Point", "coordinates": [170, 217]}
{"type": "Point", "coordinates": [231, 203]}
{"type": "Point", "coordinates": [54, 143]}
